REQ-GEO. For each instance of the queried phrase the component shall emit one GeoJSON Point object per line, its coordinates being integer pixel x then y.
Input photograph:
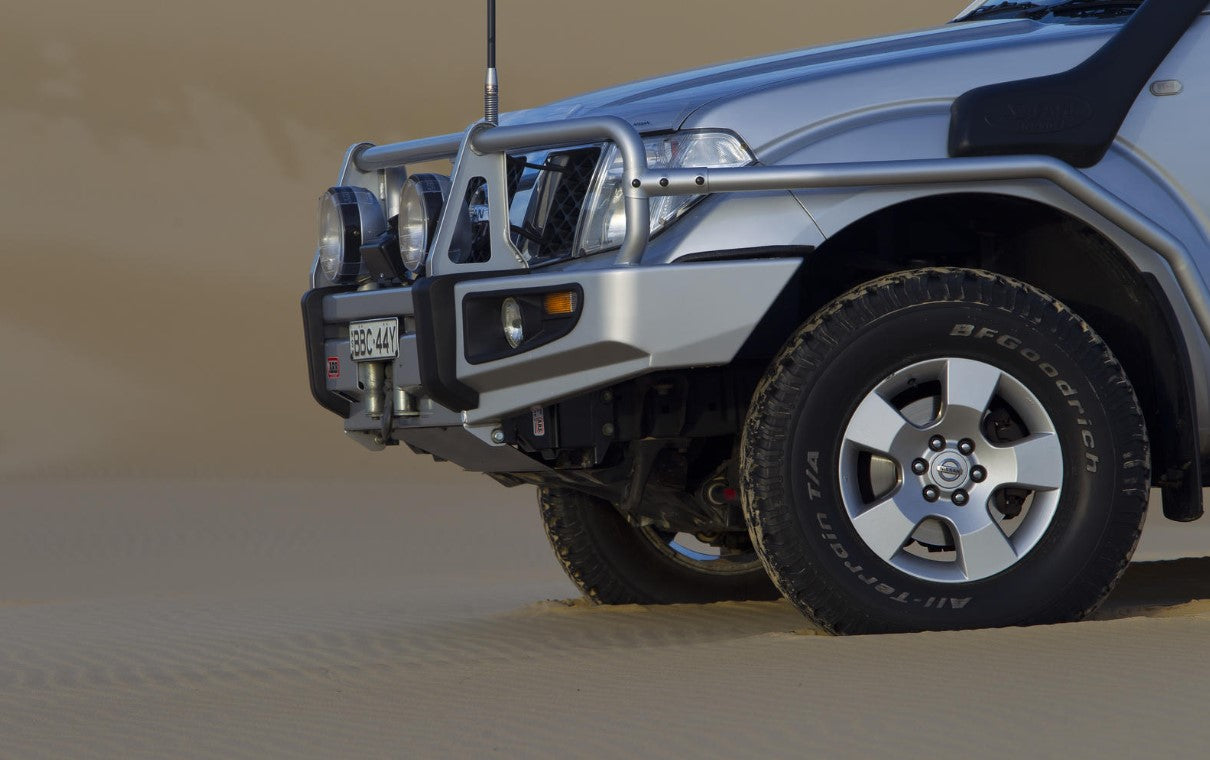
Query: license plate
{"type": "Point", "coordinates": [374, 340]}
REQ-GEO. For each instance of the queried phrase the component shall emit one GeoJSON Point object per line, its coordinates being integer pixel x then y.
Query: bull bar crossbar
{"type": "Point", "coordinates": [642, 183]}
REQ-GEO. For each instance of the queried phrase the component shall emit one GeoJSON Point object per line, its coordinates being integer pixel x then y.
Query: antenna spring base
{"type": "Point", "coordinates": [491, 98]}
{"type": "Point", "coordinates": [491, 108]}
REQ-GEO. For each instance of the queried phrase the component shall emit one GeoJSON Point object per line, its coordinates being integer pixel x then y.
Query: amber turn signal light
{"type": "Point", "coordinates": [560, 303]}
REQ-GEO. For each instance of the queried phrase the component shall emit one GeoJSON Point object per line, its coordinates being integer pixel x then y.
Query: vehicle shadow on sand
{"type": "Point", "coordinates": [1172, 588]}
{"type": "Point", "coordinates": [1160, 589]}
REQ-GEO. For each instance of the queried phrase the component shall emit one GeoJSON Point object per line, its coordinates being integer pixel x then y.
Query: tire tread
{"type": "Point", "coordinates": [611, 563]}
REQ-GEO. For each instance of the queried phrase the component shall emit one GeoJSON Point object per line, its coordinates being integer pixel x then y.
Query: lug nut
{"type": "Point", "coordinates": [936, 443]}
{"type": "Point", "coordinates": [920, 467]}
{"type": "Point", "coordinates": [960, 497]}
{"type": "Point", "coordinates": [966, 446]}
{"type": "Point", "coordinates": [978, 474]}
{"type": "Point", "coordinates": [931, 493]}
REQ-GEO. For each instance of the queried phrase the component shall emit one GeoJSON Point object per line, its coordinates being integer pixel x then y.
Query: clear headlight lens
{"type": "Point", "coordinates": [420, 204]}
{"type": "Point", "coordinates": [605, 223]}
{"type": "Point", "coordinates": [348, 216]}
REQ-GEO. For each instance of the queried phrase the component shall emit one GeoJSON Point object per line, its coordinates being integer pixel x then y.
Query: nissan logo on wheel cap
{"type": "Point", "coordinates": [950, 470]}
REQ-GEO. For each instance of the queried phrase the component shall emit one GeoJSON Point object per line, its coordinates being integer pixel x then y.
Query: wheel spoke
{"type": "Point", "coordinates": [969, 387]}
{"type": "Point", "coordinates": [1038, 462]}
{"type": "Point", "coordinates": [886, 526]}
{"type": "Point", "coordinates": [875, 424]}
{"type": "Point", "coordinates": [983, 549]}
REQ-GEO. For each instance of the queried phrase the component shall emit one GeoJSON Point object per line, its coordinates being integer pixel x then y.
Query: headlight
{"type": "Point", "coordinates": [348, 216]}
{"type": "Point", "coordinates": [420, 204]}
{"type": "Point", "coordinates": [605, 223]}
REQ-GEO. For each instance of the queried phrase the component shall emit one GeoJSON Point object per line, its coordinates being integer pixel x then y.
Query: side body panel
{"type": "Point", "coordinates": [1168, 131]}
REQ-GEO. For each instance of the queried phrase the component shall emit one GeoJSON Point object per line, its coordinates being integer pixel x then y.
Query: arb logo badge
{"type": "Point", "coordinates": [333, 367]}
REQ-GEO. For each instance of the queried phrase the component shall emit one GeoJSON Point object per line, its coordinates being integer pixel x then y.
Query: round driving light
{"type": "Point", "coordinates": [348, 216]}
{"type": "Point", "coordinates": [513, 322]}
{"type": "Point", "coordinates": [420, 204]}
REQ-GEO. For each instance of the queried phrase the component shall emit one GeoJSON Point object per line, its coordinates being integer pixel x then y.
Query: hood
{"type": "Point", "coordinates": [666, 102]}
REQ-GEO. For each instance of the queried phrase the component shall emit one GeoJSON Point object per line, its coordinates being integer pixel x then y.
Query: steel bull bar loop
{"type": "Point", "coordinates": [642, 183]}
{"type": "Point", "coordinates": [557, 134]}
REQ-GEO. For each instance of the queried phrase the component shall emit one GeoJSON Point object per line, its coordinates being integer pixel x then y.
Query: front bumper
{"type": "Point", "coordinates": [633, 320]}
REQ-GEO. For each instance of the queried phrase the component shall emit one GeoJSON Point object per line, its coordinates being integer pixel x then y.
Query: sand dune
{"type": "Point", "coordinates": [162, 164]}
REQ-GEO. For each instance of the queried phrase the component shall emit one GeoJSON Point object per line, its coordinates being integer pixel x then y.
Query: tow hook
{"type": "Point", "coordinates": [385, 401]}
{"type": "Point", "coordinates": [374, 398]}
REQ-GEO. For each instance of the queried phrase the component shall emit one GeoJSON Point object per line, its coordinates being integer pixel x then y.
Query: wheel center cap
{"type": "Point", "coordinates": [949, 470]}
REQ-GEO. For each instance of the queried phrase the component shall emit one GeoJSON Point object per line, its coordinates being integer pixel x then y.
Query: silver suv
{"type": "Point", "coordinates": [904, 329]}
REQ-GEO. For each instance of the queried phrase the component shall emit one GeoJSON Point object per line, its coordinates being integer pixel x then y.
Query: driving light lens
{"type": "Point", "coordinates": [421, 201]}
{"type": "Point", "coordinates": [605, 220]}
{"type": "Point", "coordinates": [513, 322]}
{"type": "Point", "coordinates": [331, 237]}
{"type": "Point", "coordinates": [348, 216]}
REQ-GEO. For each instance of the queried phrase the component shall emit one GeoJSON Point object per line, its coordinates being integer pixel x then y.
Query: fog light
{"type": "Point", "coordinates": [512, 321]}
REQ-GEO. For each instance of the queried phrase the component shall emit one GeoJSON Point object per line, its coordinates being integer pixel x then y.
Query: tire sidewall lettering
{"type": "Point", "coordinates": [1074, 405]}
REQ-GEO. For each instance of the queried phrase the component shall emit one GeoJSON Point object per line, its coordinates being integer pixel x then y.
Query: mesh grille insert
{"type": "Point", "coordinates": [563, 189]}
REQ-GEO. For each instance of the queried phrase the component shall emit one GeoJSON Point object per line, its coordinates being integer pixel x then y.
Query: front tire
{"type": "Point", "coordinates": [613, 562]}
{"type": "Point", "coordinates": [945, 448]}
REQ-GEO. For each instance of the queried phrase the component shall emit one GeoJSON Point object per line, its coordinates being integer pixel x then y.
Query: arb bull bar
{"type": "Point", "coordinates": [450, 407]}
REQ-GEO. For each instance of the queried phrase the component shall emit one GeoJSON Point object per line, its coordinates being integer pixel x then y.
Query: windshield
{"type": "Point", "coordinates": [1050, 10]}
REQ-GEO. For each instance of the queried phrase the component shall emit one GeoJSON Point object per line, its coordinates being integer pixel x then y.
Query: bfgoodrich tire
{"type": "Point", "coordinates": [612, 562]}
{"type": "Point", "coordinates": [945, 448]}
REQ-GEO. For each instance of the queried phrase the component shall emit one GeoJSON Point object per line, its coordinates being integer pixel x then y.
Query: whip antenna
{"type": "Point", "coordinates": [491, 87]}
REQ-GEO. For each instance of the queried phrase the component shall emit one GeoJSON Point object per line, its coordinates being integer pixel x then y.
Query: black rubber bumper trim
{"type": "Point", "coordinates": [437, 338]}
{"type": "Point", "coordinates": [317, 361]}
{"type": "Point", "coordinates": [1074, 115]}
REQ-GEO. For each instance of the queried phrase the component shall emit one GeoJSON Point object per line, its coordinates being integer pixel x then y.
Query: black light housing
{"type": "Point", "coordinates": [485, 332]}
{"type": "Point", "coordinates": [347, 217]}
{"type": "Point", "coordinates": [382, 258]}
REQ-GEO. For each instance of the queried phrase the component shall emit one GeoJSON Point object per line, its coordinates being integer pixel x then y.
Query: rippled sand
{"type": "Point", "coordinates": [195, 619]}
